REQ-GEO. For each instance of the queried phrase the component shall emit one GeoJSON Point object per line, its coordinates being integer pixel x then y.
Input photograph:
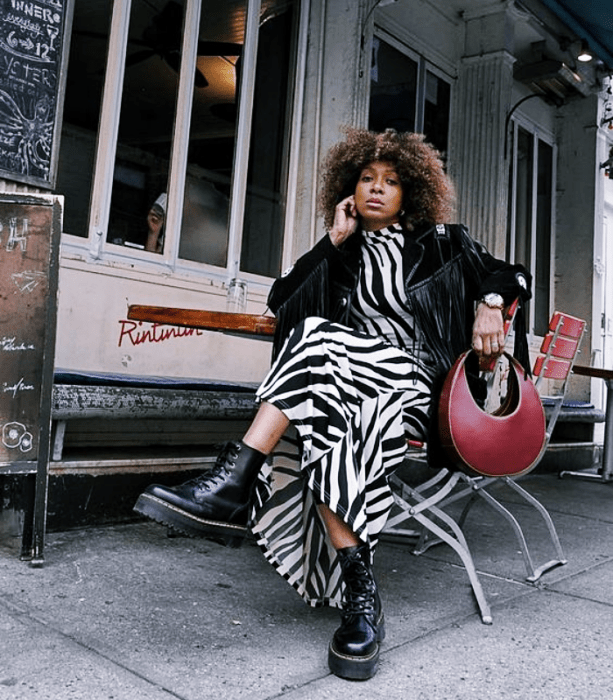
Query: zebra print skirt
{"type": "Point", "coordinates": [352, 400]}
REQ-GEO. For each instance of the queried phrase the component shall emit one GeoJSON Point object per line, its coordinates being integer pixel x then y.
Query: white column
{"type": "Point", "coordinates": [478, 165]}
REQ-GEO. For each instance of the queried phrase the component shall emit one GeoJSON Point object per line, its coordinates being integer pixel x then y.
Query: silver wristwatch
{"type": "Point", "coordinates": [494, 301]}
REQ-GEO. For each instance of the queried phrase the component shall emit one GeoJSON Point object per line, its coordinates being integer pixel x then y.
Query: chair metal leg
{"type": "Point", "coordinates": [523, 545]}
{"type": "Point", "coordinates": [415, 502]}
{"type": "Point", "coordinates": [455, 539]}
{"type": "Point", "coordinates": [561, 558]}
{"type": "Point", "coordinates": [472, 499]}
{"type": "Point", "coordinates": [534, 573]}
{"type": "Point", "coordinates": [461, 547]}
{"type": "Point", "coordinates": [412, 494]}
{"type": "Point", "coordinates": [593, 473]}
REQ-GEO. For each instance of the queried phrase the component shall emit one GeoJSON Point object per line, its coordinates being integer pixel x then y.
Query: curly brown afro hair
{"type": "Point", "coordinates": [427, 192]}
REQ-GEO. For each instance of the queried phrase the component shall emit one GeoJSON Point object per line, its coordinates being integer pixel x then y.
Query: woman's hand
{"type": "Point", "coordinates": [345, 221]}
{"type": "Point", "coordinates": [488, 332]}
{"type": "Point", "coordinates": [155, 221]}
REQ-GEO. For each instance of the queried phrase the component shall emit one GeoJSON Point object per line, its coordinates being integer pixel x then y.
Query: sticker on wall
{"type": "Point", "coordinates": [16, 435]}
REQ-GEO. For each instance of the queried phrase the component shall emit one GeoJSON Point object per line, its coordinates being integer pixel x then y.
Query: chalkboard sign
{"type": "Point", "coordinates": [33, 52]}
{"type": "Point", "coordinates": [30, 227]}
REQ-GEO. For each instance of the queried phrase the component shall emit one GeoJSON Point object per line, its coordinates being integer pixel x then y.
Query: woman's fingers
{"type": "Point", "coordinates": [347, 209]}
{"type": "Point", "coordinates": [488, 343]}
{"type": "Point", "coordinates": [488, 332]}
{"type": "Point", "coordinates": [345, 220]}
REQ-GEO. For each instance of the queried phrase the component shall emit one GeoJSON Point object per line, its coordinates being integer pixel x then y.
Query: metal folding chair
{"type": "Point", "coordinates": [426, 503]}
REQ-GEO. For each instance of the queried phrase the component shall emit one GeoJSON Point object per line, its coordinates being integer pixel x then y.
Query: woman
{"type": "Point", "coordinates": [369, 323]}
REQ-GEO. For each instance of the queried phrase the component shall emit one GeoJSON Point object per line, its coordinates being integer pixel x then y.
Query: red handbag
{"type": "Point", "coordinates": [509, 441]}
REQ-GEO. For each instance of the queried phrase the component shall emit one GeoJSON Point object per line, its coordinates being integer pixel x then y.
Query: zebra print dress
{"type": "Point", "coordinates": [352, 395]}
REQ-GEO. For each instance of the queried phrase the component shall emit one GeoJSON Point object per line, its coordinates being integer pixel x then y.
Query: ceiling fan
{"type": "Point", "coordinates": [163, 36]}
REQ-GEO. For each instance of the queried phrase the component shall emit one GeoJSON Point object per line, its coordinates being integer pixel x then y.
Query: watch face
{"type": "Point", "coordinates": [493, 300]}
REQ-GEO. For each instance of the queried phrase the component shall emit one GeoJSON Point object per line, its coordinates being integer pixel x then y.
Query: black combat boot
{"type": "Point", "coordinates": [354, 649]}
{"type": "Point", "coordinates": [214, 504]}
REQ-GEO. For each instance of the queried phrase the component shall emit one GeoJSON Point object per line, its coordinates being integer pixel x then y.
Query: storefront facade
{"type": "Point", "coordinates": [221, 113]}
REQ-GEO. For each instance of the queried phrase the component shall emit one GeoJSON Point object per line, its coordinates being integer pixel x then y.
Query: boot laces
{"type": "Point", "coordinates": [360, 594]}
{"type": "Point", "coordinates": [224, 464]}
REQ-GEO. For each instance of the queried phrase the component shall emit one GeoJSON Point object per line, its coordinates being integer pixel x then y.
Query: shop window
{"type": "Point", "coordinates": [82, 102]}
{"type": "Point", "coordinates": [437, 105]}
{"type": "Point", "coordinates": [406, 94]}
{"type": "Point", "coordinates": [530, 220]}
{"type": "Point", "coordinates": [211, 158]}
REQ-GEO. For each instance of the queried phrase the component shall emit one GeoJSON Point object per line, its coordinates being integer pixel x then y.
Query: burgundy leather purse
{"type": "Point", "coordinates": [509, 441]}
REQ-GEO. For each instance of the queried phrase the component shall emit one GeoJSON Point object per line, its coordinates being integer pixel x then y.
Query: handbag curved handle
{"type": "Point", "coordinates": [507, 442]}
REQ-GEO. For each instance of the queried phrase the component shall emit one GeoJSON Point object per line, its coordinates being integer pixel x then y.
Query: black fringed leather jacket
{"type": "Point", "coordinates": [446, 273]}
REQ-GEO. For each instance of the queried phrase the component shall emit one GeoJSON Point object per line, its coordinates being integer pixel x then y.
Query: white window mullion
{"type": "Point", "coordinates": [552, 248]}
{"type": "Point", "coordinates": [181, 134]}
{"type": "Point", "coordinates": [533, 220]}
{"type": "Point", "coordinates": [420, 97]}
{"type": "Point", "coordinates": [109, 127]}
{"type": "Point", "coordinates": [296, 128]}
{"type": "Point", "coordinates": [243, 135]}
{"type": "Point", "coordinates": [513, 206]}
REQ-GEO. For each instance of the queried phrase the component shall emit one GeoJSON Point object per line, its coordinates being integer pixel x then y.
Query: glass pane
{"type": "Point", "coordinates": [146, 124]}
{"type": "Point", "coordinates": [264, 210]}
{"type": "Point", "coordinates": [523, 204]}
{"type": "Point", "coordinates": [543, 237]}
{"type": "Point", "coordinates": [436, 111]}
{"type": "Point", "coordinates": [393, 89]}
{"type": "Point", "coordinates": [85, 78]}
{"type": "Point", "coordinates": [204, 232]}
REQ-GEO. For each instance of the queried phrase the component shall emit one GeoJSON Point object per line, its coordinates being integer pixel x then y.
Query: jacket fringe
{"type": "Point", "coordinates": [439, 305]}
{"type": "Point", "coordinates": [310, 299]}
{"type": "Point", "coordinates": [439, 309]}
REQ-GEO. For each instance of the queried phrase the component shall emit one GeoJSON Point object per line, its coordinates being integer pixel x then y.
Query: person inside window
{"type": "Point", "coordinates": [155, 225]}
{"type": "Point", "coordinates": [368, 324]}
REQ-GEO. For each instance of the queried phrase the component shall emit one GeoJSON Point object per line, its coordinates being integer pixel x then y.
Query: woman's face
{"type": "Point", "coordinates": [378, 196]}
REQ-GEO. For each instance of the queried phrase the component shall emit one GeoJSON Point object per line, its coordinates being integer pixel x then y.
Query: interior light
{"type": "Point", "coordinates": [585, 55]}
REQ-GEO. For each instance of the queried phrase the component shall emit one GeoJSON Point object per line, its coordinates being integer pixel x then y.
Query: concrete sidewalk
{"type": "Point", "coordinates": [126, 613]}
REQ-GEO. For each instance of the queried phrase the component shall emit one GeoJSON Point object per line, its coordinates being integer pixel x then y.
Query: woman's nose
{"type": "Point", "coordinates": [377, 186]}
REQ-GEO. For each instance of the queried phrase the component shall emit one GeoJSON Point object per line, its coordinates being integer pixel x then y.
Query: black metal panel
{"type": "Point", "coordinates": [30, 228]}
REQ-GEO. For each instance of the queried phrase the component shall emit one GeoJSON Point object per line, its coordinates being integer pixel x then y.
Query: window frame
{"type": "Point", "coordinates": [95, 247]}
{"type": "Point", "coordinates": [424, 66]}
{"type": "Point", "coordinates": [538, 134]}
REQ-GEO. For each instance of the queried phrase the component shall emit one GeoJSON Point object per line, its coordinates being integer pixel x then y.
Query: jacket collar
{"type": "Point", "coordinates": [414, 249]}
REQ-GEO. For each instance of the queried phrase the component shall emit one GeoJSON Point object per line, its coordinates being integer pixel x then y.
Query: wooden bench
{"type": "Point", "coordinates": [157, 406]}
{"type": "Point", "coordinates": [572, 442]}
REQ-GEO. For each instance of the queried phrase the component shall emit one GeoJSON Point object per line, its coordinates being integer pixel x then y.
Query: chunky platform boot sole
{"type": "Point", "coordinates": [356, 668]}
{"type": "Point", "coordinates": [180, 520]}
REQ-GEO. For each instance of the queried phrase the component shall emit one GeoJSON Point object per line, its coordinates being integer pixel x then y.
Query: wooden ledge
{"type": "Point", "coordinates": [597, 372]}
{"type": "Point", "coordinates": [250, 324]}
